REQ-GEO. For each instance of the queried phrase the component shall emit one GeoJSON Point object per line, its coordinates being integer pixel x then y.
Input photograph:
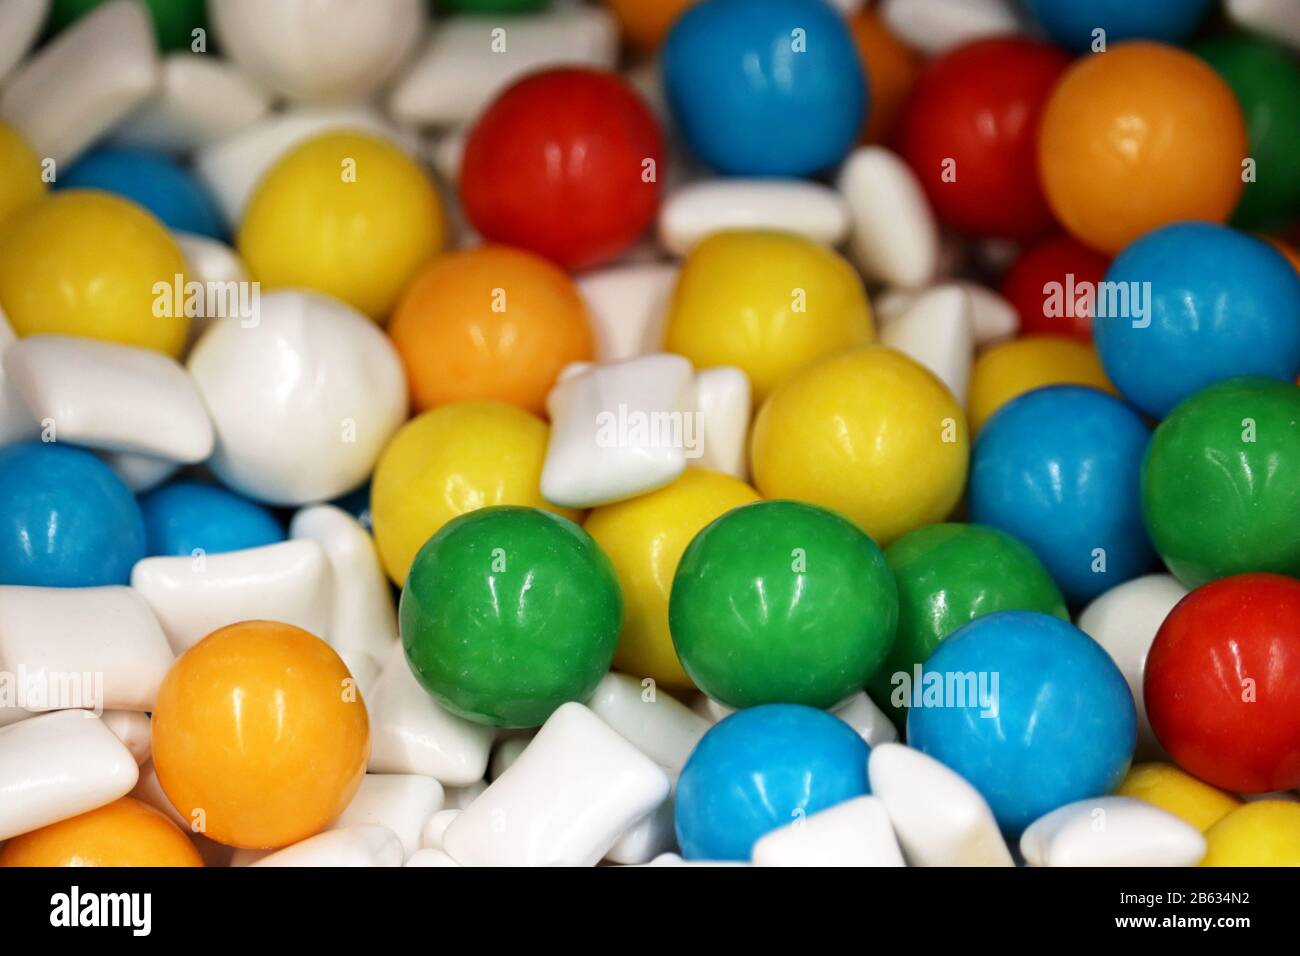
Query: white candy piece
{"type": "Point", "coordinates": [469, 59]}
{"type": "Point", "coordinates": [351, 846]}
{"type": "Point", "coordinates": [362, 618]}
{"type": "Point", "coordinates": [288, 581]}
{"type": "Point", "coordinates": [695, 211]}
{"type": "Point", "coordinates": [430, 857]}
{"type": "Point", "coordinates": [568, 798]}
{"type": "Point", "coordinates": [303, 402]}
{"type": "Point", "coordinates": [933, 26]}
{"type": "Point", "coordinates": [20, 25]}
{"type": "Point", "coordinates": [211, 262]}
{"type": "Point", "coordinates": [1279, 19]}
{"type": "Point", "coordinates": [134, 729]}
{"type": "Point", "coordinates": [363, 668]}
{"type": "Point", "coordinates": [1124, 620]}
{"type": "Point", "coordinates": [725, 401]}
{"type": "Point", "coordinates": [458, 798]}
{"type": "Point", "coordinates": [628, 305]}
{"type": "Point", "coordinates": [1111, 831]}
{"type": "Point", "coordinates": [661, 727]}
{"type": "Point", "coordinates": [16, 422]}
{"type": "Point", "coordinates": [937, 330]}
{"type": "Point", "coordinates": [82, 83]}
{"type": "Point", "coordinates": [940, 819]}
{"type": "Point", "coordinates": [410, 732]}
{"type": "Point", "coordinates": [105, 637]}
{"type": "Point", "coordinates": [895, 239]}
{"type": "Point", "coordinates": [341, 50]}
{"type": "Point", "coordinates": [13, 714]}
{"type": "Point", "coordinates": [201, 99]}
{"type": "Point", "coordinates": [651, 836]}
{"type": "Point", "coordinates": [436, 827]}
{"type": "Point", "coordinates": [505, 753]}
{"type": "Point", "coordinates": [58, 765]}
{"type": "Point", "coordinates": [402, 802]}
{"type": "Point", "coordinates": [620, 430]}
{"type": "Point", "coordinates": [110, 396]}
{"type": "Point", "coordinates": [140, 473]}
{"type": "Point", "coordinates": [856, 832]}
{"type": "Point", "coordinates": [861, 713]}
{"type": "Point", "coordinates": [993, 318]}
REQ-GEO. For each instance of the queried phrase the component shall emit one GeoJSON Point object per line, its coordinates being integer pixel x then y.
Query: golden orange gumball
{"type": "Point", "coordinates": [126, 832]}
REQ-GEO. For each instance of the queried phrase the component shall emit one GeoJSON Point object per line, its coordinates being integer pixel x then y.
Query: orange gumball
{"type": "Point", "coordinates": [1136, 138]}
{"type": "Point", "coordinates": [490, 323]}
{"type": "Point", "coordinates": [260, 737]}
{"type": "Point", "coordinates": [125, 832]}
{"type": "Point", "coordinates": [891, 71]}
{"type": "Point", "coordinates": [645, 23]}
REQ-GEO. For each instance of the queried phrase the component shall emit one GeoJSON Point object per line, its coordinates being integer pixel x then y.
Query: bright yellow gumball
{"type": "Point", "coordinates": [346, 214]}
{"type": "Point", "coordinates": [644, 538]}
{"type": "Point", "coordinates": [90, 264]}
{"type": "Point", "coordinates": [1012, 368]}
{"type": "Point", "coordinates": [768, 302]}
{"type": "Point", "coordinates": [1165, 786]}
{"type": "Point", "coordinates": [1264, 833]}
{"type": "Point", "coordinates": [868, 433]}
{"type": "Point", "coordinates": [20, 173]}
{"type": "Point", "coordinates": [450, 460]}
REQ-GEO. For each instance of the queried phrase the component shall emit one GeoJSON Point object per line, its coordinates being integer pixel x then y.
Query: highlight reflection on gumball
{"type": "Point", "coordinates": [260, 736]}
{"type": "Point", "coordinates": [1053, 285]}
{"type": "Point", "coordinates": [125, 832]}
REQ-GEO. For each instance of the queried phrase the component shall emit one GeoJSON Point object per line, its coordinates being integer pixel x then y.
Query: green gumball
{"type": "Point", "coordinates": [782, 602]}
{"type": "Point", "coordinates": [507, 613]}
{"type": "Point", "coordinates": [173, 20]}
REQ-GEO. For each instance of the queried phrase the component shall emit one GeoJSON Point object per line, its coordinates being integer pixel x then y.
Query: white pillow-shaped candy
{"type": "Point", "coordinates": [1111, 831]}
{"type": "Point", "coordinates": [651, 836]}
{"type": "Point", "coordinates": [659, 725]}
{"type": "Point", "coordinates": [628, 305]}
{"type": "Point", "coordinates": [134, 729]}
{"type": "Point", "coordinates": [861, 713]}
{"type": "Point", "coordinates": [401, 802]}
{"type": "Point", "coordinates": [303, 400]}
{"type": "Point", "coordinates": [16, 422]}
{"type": "Point", "coordinates": [725, 402]}
{"type": "Point", "coordinates": [856, 832]}
{"type": "Point", "coordinates": [352, 846]}
{"type": "Point", "coordinates": [436, 826]}
{"type": "Point", "coordinates": [993, 318]}
{"type": "Point", "coordinates": [20, 24]}
{"type": "Point", "coordinates": [140, 473]}
{"type": "Point", "coordinates": [505, 752]}
{"type": "Point", "coordinates": [430, 857]}
{"type": "Point", "coordinates": [697, 210]}
{"type": "Point", "coordinates": [1279, 19]}
{"type": "Point", "coordinates": [937, 329]}
{"type": "Point", "coordinates": [895, 239]}
{"type": "Point", "coordinates": [933, 26]}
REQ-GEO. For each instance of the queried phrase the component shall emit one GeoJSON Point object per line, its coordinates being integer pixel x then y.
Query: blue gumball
{"type": "Point", "coordinates": [1053, 723]}
{"type": "Point", "coordinates": [66, 520]}
{"type": "Point", "coordinates": [765, 87]}
{"type": "Point", "coordinates": [1072, 22]}
{"type": "Point", "coordinates": [153, 180]}
{"type": "Point", "coordinates": [187, 516]}
{"type": "Point", "coordinates": [760, 769]}
{"type": "Point", "coordinates": [1222, 304]}
{"type": "Point", "coordinates": [1060, 468]}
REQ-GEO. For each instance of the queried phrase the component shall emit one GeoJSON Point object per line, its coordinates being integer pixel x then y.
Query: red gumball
{"type": "Point", "coordinates": [566, 163]}
{"type": "Point", "coordinates": [1047, 284]}
{"type": "Point", "coordinates": [1222, 683]}
{"type": "Point", "coordinates": [970, 132]}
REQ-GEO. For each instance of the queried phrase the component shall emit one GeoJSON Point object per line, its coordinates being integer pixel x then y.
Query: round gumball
{"type": "Point", "coordinates": [761, 769]}
{"type": "Point", "coordinates": [157, 182]}
{"type": "Point", "coordinates": [1010, 369]}
{"type": "Point", "coordinates": [566, 162]}
{"type": "Point", "coordinates": [20, 173]}
{"type": "Point", "coordinates": [1221, 482]}
{"type": "Point", "coordinates": [1222, 684]}
{"type": "Point", "coordinates": [768, 303]}
{"type": "Point", "coordinates": [1220, 304]}
{"type": "Point", "coordinates": [781, 602]}
{"type": "Point", "coordinates": [1059, 468]}
{"type": "Point", "coordinates": [644, 538]}
{"type": "Point", "coordinates": [765, 87]}
{"type": "Point", "coordinates": [891, 70]}
{"type": "Point", "coordinates": [1139, 137]}
{"type": "Point", "coordinates": [490, 323]}
{"type": "Point", "coordinates": [645, 23]}
{"type": "Point", "coordinates": [869, 434]}
{"type": "Point", "coordinates": [448, 462]}
{"type": "Point", "coordinates": [969, 131]}
{"type": "Point", "coordinates": [1028, 709]}
{"type": "Point", "coordinates": [1264, 833]}
{"type": "Point", "coordinates": [66, 520]}
{"type": "Point", "coordinates": [174, 21]}
{"type": "Point", "coordinates": [185, 517]}
{"type": "Point", "coordinates": [346, 214]}
{"type": "Point", "coordinates": [1090, 25]}
{"type": "Point", "coordinates": [508, 613]}
{"type": "Point", "coordinates": [86, 263]}
{"type": "Point", "coordinates": [125, 832]}
{"type": "Point", "coordinates": [1053, 285]}
{"type": "Point", "coordinates": [260, 736]}
{"type": "Point", "coordinates": [948, 575]}
{"type": "Point", "coordinates": [1165, 786]}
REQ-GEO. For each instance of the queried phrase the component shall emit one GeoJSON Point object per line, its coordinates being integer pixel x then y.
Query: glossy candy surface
{"type": "Point", "coordinates": [782, 602]}
{"type": "Point", "coordinates": [1010, 369]}
{"type": "Point", "coordinates": [1169, 788]}
{"type": "Point", "coordinates": [760, 769]}
{"type": "Point", "coordinates": [183, 517]}
{"type": "Point", "coordinates": [1053, 285]}
{"type": "Point", "coordinates": [1075, 23]}
{"type": "Point", "coordinates": [1060, 726]}
{"type": "Point", "coordinates": [125, 832]}
{"type": "Point", "coordinates": [508, 613]}
{"type": "Point", "coordinates": [1266, 833]}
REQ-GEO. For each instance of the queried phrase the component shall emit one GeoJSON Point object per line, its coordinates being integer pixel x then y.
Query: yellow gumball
{"type": "Point", "coordinates": [868, 433]}
{"type": "Point", "coordinates": [644, 538]}
{"type": "Point", "coordinates": [768, 302]}
{"type": "Point", "coordinates": [1264, 833]}
{"type": "Point", "coordinates": [90, 264]}
{"type": "Point", "coordinates": [1012, 368]}
{"type": "Point", "coordinates": [346, 214]}
{"type": "Point", "coordinates": [20, 173]}
{"type": "Point", "coordinates": [1165, 786]}
{"type": "Point", "coordinates": [450, 460]}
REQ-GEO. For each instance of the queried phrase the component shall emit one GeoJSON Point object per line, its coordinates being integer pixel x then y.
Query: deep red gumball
{"type": "Point", "coordinates": [1222, 684]}
{"type": "Point", "coordinates": [970, 132]}
{"type": "Point", "coordinates": [566, 163]}
{"type": "Point", "coordinates": [1062, 309]}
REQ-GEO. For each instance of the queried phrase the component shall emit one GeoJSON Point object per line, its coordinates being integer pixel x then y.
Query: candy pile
{"type": "Point", "coordinates": [798, 432]}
